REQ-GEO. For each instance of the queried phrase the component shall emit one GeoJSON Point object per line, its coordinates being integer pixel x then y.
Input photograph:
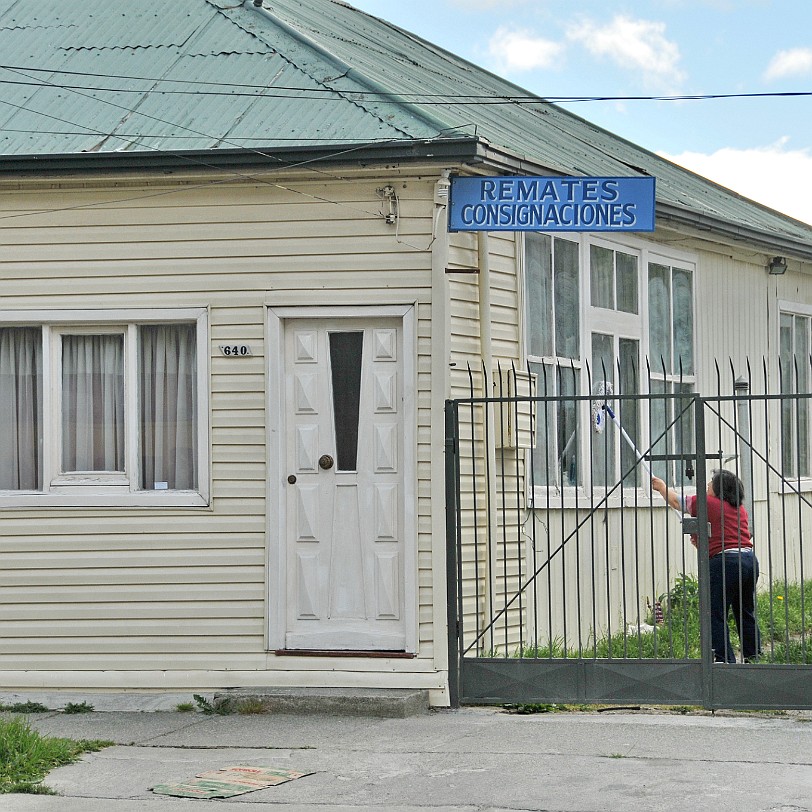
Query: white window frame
{"type": "Point", "coordinates": [621, 325]}
{"type": "Point", "coordinates": [789, 308]}
{"type": "Point", "coordinates": [109, 489]}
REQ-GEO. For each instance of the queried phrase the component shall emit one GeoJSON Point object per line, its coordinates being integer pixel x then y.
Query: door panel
{"type": "Point", "coordinates": [344, 451]}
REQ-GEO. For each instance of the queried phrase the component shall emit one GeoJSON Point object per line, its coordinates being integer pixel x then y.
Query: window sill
{"type": "Point", "coordinates": [583, 499]}
{"type": "Point", "coordinates": [792, 486]}
{"type": "Point", "coordinates": [81, 498]}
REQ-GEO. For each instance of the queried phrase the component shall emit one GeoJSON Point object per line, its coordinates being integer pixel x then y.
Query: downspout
{"type": "Point", "coordinates": [488, 390]}
{"type": "Point", "coordinates": [440, 392]}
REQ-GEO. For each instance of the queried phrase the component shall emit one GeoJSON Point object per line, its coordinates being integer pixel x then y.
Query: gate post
{"type": "Point", "coordinates": [741, 389]}
{"type": "Point", "coordinates": [703, 562]}
{"type": "Point", "coordinates": [452, 614]}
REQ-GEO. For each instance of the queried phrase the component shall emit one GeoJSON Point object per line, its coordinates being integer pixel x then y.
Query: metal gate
{"type": "Point", "coordinates": [571, 581]}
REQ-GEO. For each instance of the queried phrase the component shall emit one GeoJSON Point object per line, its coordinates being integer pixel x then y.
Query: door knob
{"type": "Point", "coordinates": [292, 479]}
{"type": "Point", "coordinates": [325, 462]}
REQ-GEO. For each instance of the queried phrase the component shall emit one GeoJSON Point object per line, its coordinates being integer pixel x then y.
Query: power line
{"type": "Point", "coordinates": [252, 177]}
{"type": "Point", "coordinates": [344, 94]}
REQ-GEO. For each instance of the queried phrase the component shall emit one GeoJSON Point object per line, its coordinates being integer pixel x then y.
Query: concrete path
{"type": "Point", "coordinates": [471, 760]}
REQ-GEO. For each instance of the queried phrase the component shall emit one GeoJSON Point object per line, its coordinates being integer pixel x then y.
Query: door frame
{"type": "Point", "coordinates": [276, 485]}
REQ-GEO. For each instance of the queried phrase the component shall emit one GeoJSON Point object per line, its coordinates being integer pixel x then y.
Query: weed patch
{"type": "Point", "coordinates": [24, 707]}
{"type": "Point", "coordinates": [78, 707]}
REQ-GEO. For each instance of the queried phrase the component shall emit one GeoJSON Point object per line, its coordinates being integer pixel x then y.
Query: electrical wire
{"type": "Point", "coordinates": [344, 94]}
{"type": "Point", "coordinates": [253, 177]}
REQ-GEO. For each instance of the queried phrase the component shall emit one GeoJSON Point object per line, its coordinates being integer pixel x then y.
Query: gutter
{"type": "Point", "coordinates": [704, 226]}
{"type": "Point", "coordinates": [455, 149]}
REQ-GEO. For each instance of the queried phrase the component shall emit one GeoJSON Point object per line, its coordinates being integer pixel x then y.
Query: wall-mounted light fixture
{"type": "Point", "coordinates": [778, 265]}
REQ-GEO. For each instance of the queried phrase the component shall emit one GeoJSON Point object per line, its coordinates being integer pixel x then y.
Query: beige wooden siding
{"type": "Point", "coordinates": [152, 589]}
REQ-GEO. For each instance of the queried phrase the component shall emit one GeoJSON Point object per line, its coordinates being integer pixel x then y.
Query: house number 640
{"type": "Point", "coordinates": [235, 350]}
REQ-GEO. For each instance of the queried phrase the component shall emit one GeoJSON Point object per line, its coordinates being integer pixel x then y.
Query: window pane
{"type": "Point", "coordinates": [602, 276]}
{"type": "Point", "coordinates": [603, 444]}
{"type": "Point", "coordinates": [556, 455]}
{"type": "Point", "coordinates": [802, 404]}
{"type": "Point", "coordinates": [92, 403]}
{"type": "Point", "coordinates": [626, 282]}
{"type": "Point", "coordinates": [628, 411]}
{"type": "Point", "coordinates": [787, 378]}
{"type": "Point", "coordinates": [659, 318]}
{"type": "Point", "coordinates": [20, 408]}
{"type": "Point", "coordinates": [544, 453]}
{"type": "Point", "coordinates": [684, 407]}
{"type": "Point", "coordinates": [660, 418]}
{"type": "Point", "coordinates": [167, 379]}
{"type": "Point", "coordinates": [683, 322]}
{"type": "Point", "coordinates": [345, 365]}
{"type": "Point", "coordinates": [567, 299]}
{"type": "Point", "coordinates": [539, 294]}
{"type": "Point", "coordinates": [568, 429]}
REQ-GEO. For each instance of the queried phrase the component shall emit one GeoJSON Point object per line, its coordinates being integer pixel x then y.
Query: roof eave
{"type": "Point", "coordinates": [469, 151]}
{"type": "Point", "coordinates": [703, 226]}
{"type": "Point", "coordinates": [454, 149]}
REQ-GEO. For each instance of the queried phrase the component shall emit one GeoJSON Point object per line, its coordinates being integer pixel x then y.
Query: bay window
{"type": "Point", "coordinates": [105, 412]}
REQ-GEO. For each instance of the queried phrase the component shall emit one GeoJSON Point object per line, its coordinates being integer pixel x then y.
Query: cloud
{"type": "Point", "coordinates": [794, 62]}
{"type": "Point", "coordinates": [773, 175]}
{"type": "Point", "coordinates": [515, 50]}
{"type": "Point", "coordinates": [639, 45]}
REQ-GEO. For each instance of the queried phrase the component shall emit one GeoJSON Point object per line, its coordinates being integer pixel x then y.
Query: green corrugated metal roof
{"type": "Point", "coordinates": [86, 76]}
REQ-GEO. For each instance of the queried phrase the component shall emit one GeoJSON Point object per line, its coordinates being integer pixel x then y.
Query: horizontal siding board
{"type": "Point", "coordinates": [52, 599]}
{"type": "Point", "coordinates": [95, 627]}
{"type": "Point", "coordinates": [70, 576]}
{"type": "Point", "coordinates": [66, 659]}
{"type": "Point", "coordinates": [25, 615]}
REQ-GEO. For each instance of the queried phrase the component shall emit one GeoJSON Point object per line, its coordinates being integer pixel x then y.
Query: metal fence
{"type": "Point", "coordinates": [570, 580]}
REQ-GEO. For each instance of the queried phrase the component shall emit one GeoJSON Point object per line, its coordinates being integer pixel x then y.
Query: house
{"type": "Point", "coordinates": [231, 312]}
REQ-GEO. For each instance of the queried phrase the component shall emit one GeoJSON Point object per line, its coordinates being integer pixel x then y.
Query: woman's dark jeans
{"type": "Point", "coordinates": [733, 577]}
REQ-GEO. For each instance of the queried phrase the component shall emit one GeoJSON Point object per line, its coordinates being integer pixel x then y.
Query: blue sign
{"type": "Point", "coordinates": [510, 203]}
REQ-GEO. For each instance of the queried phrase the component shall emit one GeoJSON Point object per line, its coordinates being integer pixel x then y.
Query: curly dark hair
{"type": "Point", "coordinates": [728, 487]}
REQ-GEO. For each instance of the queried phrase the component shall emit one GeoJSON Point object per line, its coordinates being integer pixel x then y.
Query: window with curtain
{"type": "Point", "coordinates": [115, 408]}
{"type": "Point", "coordinates": [20, 408]}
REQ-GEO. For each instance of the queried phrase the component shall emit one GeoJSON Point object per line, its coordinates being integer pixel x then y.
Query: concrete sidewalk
{"type": "Point", "coordinates": [475, 759]}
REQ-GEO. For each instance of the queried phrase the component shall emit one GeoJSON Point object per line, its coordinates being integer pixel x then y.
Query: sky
{"type": "Point", "coordinates": [760, 147]}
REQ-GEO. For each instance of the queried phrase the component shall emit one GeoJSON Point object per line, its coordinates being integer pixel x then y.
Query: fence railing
{"type": "Point", "coordinates": [562, 550]}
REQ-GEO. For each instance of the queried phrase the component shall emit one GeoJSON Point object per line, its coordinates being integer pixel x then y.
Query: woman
{"type": "Point", "coordinates": [733, 563]}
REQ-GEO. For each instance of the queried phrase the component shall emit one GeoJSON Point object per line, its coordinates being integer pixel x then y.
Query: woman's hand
{"type": "Point", "coordinates": [670, 496]}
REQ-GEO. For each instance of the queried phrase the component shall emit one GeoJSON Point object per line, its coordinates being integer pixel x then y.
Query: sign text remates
{"type": "Point", "coordinates": [551, 204]}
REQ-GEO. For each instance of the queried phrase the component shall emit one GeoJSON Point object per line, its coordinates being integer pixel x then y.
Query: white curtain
{"type": "Point", "coordinates": [20, 408]}
{"type": "Point", "coordinates": [168, 390]}
{"type": "Point", "coordinates": [92, 403]}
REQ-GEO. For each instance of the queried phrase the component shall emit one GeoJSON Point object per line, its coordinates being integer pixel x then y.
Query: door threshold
{"type": "Point", "coordinates": [313, 652]}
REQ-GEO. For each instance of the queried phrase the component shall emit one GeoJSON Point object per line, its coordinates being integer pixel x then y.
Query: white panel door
{"type": "Point", "coordinates": [344, 451]}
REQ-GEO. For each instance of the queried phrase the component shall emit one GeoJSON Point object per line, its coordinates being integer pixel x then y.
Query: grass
{"type": "Point", "coordinates": [784, 616]}
{"type": "Point", "coordinates": [26, 757]}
